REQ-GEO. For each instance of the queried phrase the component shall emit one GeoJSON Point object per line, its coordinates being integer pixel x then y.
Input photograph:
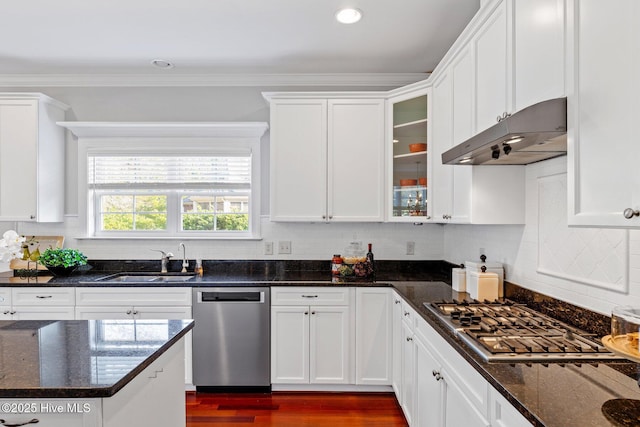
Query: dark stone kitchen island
{"type": "Point", "coordinates": [93, 372]}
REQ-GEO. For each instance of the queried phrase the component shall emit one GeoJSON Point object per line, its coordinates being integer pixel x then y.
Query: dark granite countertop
{"type": "Point", "coordinates": [547, 394]}
{"type": "Point", "coordinates": [79, 358]}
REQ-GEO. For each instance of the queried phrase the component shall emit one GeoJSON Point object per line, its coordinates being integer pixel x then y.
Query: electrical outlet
{"type": "Point", "coordinates": [411, 248]}
{"type": "Point", "coordinates": [284, 247]}
{"type": "Point", "coordinates": [268, 248]}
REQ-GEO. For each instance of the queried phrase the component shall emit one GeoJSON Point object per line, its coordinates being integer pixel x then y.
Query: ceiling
{"type": "Point", "coordinates": [227, 36]}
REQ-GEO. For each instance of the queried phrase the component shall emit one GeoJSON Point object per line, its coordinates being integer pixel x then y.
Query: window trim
{"type": "Point", "coordinates": [162, 138]}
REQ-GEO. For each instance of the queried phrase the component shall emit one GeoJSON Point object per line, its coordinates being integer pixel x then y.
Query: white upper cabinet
{"type": "Point", "coordinates": [539, 51]}
{"type": "Point", "coordinates": [408, 157]}
{"type": "Point", "coordinates": [441, 175]}
{"type": "Point", "coordinates": [604, 65]}
{"type": "Point", "coordinates": [327, 158]}
{"type": "Point", "coordinates": [492, 68]}
{"type": "Point", "coordinates": [32, 150]}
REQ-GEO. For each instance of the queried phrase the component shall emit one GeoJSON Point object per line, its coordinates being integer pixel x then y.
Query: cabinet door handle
{"type": "Point", "coordinates": [8, 424]}
{"type": "Point", "coordinates": [44, 296]}
{"type": "Point", "coordinates": [630, 213]}
{"type": "Point", "coordinates": [135, 312]}
{"type": "Point", "coordinates": [12, 312]}
{"type": "Point", "coordinates": [128, 312]}
{"type": "Point", "coordinates": [32, 217]}
{"type": "Point", "coordinates": [309, 296]}
{"type": "Point", "coordinates": [6, 312]}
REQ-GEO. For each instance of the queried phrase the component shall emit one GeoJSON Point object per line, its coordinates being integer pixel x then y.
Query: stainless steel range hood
{"type": "Point", "coordinates": [535, 133]}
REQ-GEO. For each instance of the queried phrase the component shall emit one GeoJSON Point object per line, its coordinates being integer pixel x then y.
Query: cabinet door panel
{"type": "Point", "coordinates": [43, 313]}
{"type": "Point", "coordinates": [373, 336]}
{"type": "Point", "coordinates": [289, 345]}
{"type": "Point", "coordinates": [408, 373]}
{"type": "Point", "coordinates": [603, 150]}
{"type": "Point", "coordinates": [442, 175]}
{"type": "Point", "coordinates": [356, 160]}
{"type": "Point", "coordinates": [459, 411]}
{"type": "Point", "coordinates": [298, 160]}
{"type": "Point", "coordinates": [397, 346]}
{"type": "Point", "coordinates": [539, 45]}
{"type": "Point", "coordinates": [428, 388]}
{"type": "Point", "coordinates": [491, 69]}
{"type": "Point", "coordinates": [18, 140]}
{"type": "Point", "coordinates": [103, 313]}
{"type": "Point", "coordinates": [329, 345]}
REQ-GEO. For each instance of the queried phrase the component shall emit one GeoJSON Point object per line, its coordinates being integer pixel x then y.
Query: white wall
{"type": "Point", "coordinates": [309, 241]}
{"type": "Point", "coordinates": [593, 268]}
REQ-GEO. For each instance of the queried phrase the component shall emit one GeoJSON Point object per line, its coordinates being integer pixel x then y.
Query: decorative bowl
{"type": "Point", "coordinates": [408, 182]}
{"type": "Point", "coordinates": [416, 148]}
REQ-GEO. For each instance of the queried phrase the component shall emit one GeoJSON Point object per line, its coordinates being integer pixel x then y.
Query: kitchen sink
{"type": "Point", "coordinates": [145, 278]}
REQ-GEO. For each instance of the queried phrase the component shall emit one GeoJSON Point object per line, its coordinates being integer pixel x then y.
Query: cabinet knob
{"type": "Point", "coordinates": [306, 313]}
{"type": "Point", "coordinates": [12, 312]}
{"type": "Point", "coordinates": [630, 213]}
{"type": "Point", "coordinates": [6, 312]}
{"type": "Point", "coordinates": [437, 375]}
{"type": "Point", "coordinates": [330, 216]}
{"type": "Point", "coordinates": [32, 217]}
{"type": "Point", "coordinates": [135, 311]}
{"type": "Point", "coordinates": [313, 312]}
{"type": "Point", "coordinates": [409, 339]}
{"type": "Point", "coordinates": [396, 301]}
{"type": "Point", "coordinates": [128, 312]}
{"type": "Point", "coordinates": [406, 313]}
{"type": "Point", "coordinates": [324, 217]}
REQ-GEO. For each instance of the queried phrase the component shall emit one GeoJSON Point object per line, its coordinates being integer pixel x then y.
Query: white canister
{"type": "Point", "coordinates": [492, 267]}
{"type": "Point", "coordinates": [459, 279]}
{"type": "Point", "coordinates": [482, 285]}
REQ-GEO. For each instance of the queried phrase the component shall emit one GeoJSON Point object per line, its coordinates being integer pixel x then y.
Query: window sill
{"type": "Point", "coordinates": [248, 238]}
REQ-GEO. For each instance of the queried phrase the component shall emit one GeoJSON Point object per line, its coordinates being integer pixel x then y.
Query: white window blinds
{"type": "Point", "coordinates": [109, 172]}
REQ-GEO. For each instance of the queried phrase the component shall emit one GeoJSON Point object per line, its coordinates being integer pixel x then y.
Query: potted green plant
{"type": "Point", "coordinates": [62, 261]}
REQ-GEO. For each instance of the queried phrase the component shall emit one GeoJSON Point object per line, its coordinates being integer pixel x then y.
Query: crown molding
{"type": "Point", "coordinates": [165, 129]}
{"type": "Point", "coordinates": [171, 80]}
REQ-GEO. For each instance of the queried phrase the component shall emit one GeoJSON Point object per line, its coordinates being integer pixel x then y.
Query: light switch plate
{"type": "Point", "coordinates": [284, 247]}
{"type": "Point", "coordinates": [411, 248]}
{"type": "Point", "coordinates": [268, 248]}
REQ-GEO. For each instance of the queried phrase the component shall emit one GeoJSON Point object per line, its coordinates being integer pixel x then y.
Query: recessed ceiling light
{"type": "Point", "coordinates": [348, 16]}
{"type": "Point", "coordinates": [161, 63]}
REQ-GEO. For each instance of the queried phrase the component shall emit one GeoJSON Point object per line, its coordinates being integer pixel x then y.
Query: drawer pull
{"type": "Point", "coordinates": [32, 421]}
{"type": "Point", "coordinates": [44, 296]}
{"type": "Point", "coordinates": [309, 296]}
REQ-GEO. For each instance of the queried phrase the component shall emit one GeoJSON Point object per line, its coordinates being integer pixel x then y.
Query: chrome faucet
{"type": "Point", "coordinates": [164, 261]}
{"type": "Point", "coordinates": [185, 262]}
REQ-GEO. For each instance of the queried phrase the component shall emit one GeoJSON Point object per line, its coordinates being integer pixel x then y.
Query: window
{"type": "Point", "coordinates": [169, 179]}
{"type": "Point", "coordinates": [170, 194]}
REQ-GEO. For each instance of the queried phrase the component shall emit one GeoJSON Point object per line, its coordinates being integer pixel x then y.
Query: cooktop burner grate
{"type": "Point", "coordinates": [507, 331]}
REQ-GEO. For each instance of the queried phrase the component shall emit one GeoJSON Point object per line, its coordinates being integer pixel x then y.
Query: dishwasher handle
{"type": "Point", "coordinates": [233, 296]}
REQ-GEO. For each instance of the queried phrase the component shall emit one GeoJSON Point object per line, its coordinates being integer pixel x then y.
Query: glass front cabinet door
{"type": "Point", "coordinates": [408, 157]}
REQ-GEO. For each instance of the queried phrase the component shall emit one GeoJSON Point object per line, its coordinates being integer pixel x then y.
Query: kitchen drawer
{"type": "Point", "coordinates": [43, 296]}
{"type": "Point", "coordinates": [133, 296]}
{"type": "Point", "coordinates": [310, 296]}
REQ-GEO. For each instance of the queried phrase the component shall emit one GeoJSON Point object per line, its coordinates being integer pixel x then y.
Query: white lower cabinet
{"type": "Point", "coordinates": [373, 336]}
{"type": "Point", "coordinates": [503, 414]}
{"type": "Point", "coordinates": [437, 386]}
{"type": "Point", "coordinates": [312, 336]}
{"type": "Point", "coordinates": [37, 303]}
{"type": "Point", "coordinates": [137, 304]}
{"type": "Point", "coordinates": [155, 397]}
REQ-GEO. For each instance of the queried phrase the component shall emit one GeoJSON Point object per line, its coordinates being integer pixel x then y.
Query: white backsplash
{"type": "Point", "coordinates": [591, 268]}
{"type": "Point", "coordinates": [314, 241]}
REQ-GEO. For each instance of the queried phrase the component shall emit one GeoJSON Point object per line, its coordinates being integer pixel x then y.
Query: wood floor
{"type": "Point", "coordinates": [294, 409]}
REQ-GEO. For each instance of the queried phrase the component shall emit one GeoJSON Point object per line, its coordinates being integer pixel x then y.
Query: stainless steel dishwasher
{"type": "Point", "coordinates": [231, 338]}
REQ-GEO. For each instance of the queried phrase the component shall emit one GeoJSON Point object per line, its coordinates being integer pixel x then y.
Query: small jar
{"type": "Point", "coordinates": [336, 262]}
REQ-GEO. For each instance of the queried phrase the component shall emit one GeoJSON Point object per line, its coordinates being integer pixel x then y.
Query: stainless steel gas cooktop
{"type": "Point", "coordinates": [505, 331]}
